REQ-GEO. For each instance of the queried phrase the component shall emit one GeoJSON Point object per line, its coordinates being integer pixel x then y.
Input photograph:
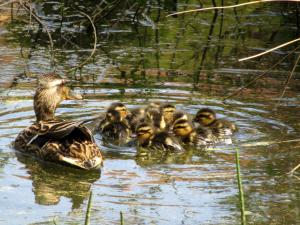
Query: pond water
{"type": "Point", "coordinates": [189, 61]}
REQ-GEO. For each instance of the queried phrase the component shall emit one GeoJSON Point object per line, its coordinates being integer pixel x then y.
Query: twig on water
{"type": "Point", "coordinates": [121, 218]}
{"type": "Point", "coordinates": [88, 211]}
{"type": "Point", "coordinates": [270, 50]}
{"type": "Point", "coordinates": [266, 143]}
{"type": "Point", "coordinates": [294, 169]}
{"type": "Point", "coordinates": [240, 186]}
{"type": "Point", "coordinates": [229, 6]}
{"type": "Point", "coordinates": [289, 78]}
{"type": "Point", "coordinates": [94, 48]}
{"type": "Point", "coordinates": [261, 75]}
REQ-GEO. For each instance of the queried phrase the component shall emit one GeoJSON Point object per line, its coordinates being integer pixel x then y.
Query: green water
{"type": "Point", "coordinates": [190, 61]}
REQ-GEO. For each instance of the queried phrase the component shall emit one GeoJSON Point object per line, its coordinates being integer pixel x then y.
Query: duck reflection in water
{"type": "Point", "coordinates": [50, 182]}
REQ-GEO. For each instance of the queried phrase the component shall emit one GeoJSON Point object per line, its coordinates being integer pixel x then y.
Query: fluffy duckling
{"type": "Point", "coordinates": [156, 119]}
{"type": "Point", "coordinates": [65, 142]}
{"type": "Point", "coordinates": [207, 118]}
{"type": "Point", "coordinates": [167, 110]}
{"type": "Point", "coordinates": [183, 130]}
{"type": "Point", "coordinates": [148, 114]}
{"type": "Point", "coordinates": [121, 108]}
{"type": "Point", "coordinates": [115, 125]}
{"type": "Point", "coordinates": [135, 117]}
{"type": "Point", "coordinates": [158, 141]}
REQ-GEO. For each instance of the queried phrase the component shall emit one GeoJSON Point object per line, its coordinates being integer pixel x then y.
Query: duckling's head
{"type": "Point", "coordinates": [179, 115]}
{"type": "Point", "coordinates": [144, 132]}
{"type": "Point", "coordinates": [120, 107]}
{"type": "Point", "coordinates": [182, 127]}
{"type": "Point", "coordinates": [113, 116]}
{"type": "Point", "coordinates": [51, 91]}
{"type": "Point", "coordinates": [153, 105]}
{"type": "Point", "coordinates": [205, 117]}
{"type": "Point", "coordinates": [167, 111]}
{"type": "Point", "coordinates": [156, 119]}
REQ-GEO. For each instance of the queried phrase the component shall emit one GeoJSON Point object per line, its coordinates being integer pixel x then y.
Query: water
{"type": "Point", "coordinates": [157, 59]}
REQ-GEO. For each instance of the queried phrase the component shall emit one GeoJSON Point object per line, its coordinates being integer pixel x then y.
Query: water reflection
{"type": "Point", "coordinates": [51, 182]}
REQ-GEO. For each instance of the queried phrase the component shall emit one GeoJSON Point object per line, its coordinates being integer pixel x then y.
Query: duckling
{"type": "Point", "coordinates": [151, 115]}
{"type": "Point", "coordinates": [153, 105]}
{"type": "Point", "coordinates": [121, 108]}
{"type": "Point", "coordinates": [167, 111]}
{"type": "Point", "coordinates": [178, 115]}
{"type": "Point", "coordinates": [115, 126]}
{"type": "Point", "coordinates": [135, 117]}
{"type": "Point", "coordinates": [156, 118]}
{"type": "Point", "coordinates": [64, 142]}
{"type": "Point", "coordinates": [183, 130]}
{"type": "Point", "coordinates": [157, 141]}
{"type": "Point", "coordinates": [207, 118]}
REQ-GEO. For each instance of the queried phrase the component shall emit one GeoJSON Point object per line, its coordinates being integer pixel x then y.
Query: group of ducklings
{"type": "Point", "coordinates": [156, 126]}
{"type": "Point", "coordinates": [162, 127]}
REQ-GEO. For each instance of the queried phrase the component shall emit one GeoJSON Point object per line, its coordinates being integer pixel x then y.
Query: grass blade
{"type": "Point", "coordinates": [240, 186]}
{"type": "Point", "coordinates": [88, 211]}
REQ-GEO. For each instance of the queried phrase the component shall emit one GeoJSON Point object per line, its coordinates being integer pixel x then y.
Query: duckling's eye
{"type": "Point", "coordinates": [180, 127]}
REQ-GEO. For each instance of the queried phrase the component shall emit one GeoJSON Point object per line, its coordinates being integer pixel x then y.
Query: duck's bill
{"type": "Point", "coordinates": [74, 96]}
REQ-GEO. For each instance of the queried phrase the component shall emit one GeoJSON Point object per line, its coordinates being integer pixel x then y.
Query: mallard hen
{"type": "Point", "coordinates": [51, 139]}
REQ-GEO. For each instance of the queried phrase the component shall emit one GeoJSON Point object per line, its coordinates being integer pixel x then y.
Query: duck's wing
{"type": "Point", "coordinates": [57, 130]}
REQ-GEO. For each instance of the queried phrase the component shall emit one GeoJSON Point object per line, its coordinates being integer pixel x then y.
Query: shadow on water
{"type": "Point", "coordinates": [190, 61]}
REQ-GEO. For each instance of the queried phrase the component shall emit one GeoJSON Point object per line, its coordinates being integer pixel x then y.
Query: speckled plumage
{"type": "Point", "coordinates": [50, 139]}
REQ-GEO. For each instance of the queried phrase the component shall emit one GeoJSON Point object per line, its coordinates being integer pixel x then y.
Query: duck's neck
{"type": "Point", "coordinates": [46, 101]}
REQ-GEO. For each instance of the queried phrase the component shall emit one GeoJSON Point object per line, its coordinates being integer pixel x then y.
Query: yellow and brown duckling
{"type": "Point", "coordinates": [156, 119]}
{"type": "Point", "coordinates": [135, 117]}
{"type": "Point", "coordinates": [64, 142]}
{"type": "Point", "coordinates": [149, 139]}
{"type": "Point", "coordinates": [150, 114]}
{"type": "Point", "coordinates": [168, 110]}
{"type": "Point", "coordinates": [115, 125]}
{"type": "Point", "coordinates": [186, 133]}
{"type": "Point", "coordinates": [207, 118]}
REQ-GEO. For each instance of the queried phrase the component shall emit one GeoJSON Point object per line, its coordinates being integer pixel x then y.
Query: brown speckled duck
{"type": "Point", "coordinates": [64, 142]}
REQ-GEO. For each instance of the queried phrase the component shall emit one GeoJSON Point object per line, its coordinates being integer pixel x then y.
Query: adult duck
{"type": "Point", "coordinates": [50, 139]}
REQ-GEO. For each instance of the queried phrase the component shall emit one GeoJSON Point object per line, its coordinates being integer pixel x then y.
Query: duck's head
{"type": "Point", "coordinates": [51, 91]}
{"type": "Point", "coordinates": [156, 119]}
{"type": "Point", "coordinates": [205, 117]}
{"type": "Point", "coordinates": [167, 111]}
{"type": "Point", "coordinates": [182, 127]}
{"type": "Point", "coordinates": [144, 132]}
{"type": "Point", "coordinates": [120, 107]}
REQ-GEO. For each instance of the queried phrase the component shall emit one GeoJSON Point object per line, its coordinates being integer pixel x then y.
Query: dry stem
{"type": "Point", "coordinates": [230, 6]}
{"type": "Point", "coordinates": [261, 75]}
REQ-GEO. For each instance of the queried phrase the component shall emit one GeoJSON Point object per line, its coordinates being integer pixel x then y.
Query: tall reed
{"type": "Point", "coordinates": [240, 186]}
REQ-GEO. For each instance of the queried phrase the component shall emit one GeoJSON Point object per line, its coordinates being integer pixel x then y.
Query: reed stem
{"type": "Point", "coordinates": [88, 211]}
{"type": "Point", "coordinates": [121, 218]}
{"type": "Point", "coordinates": [240, 186]}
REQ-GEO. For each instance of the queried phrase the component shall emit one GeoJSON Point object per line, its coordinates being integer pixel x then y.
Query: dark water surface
{"type": "Point", "coordinates": [190, 61]}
